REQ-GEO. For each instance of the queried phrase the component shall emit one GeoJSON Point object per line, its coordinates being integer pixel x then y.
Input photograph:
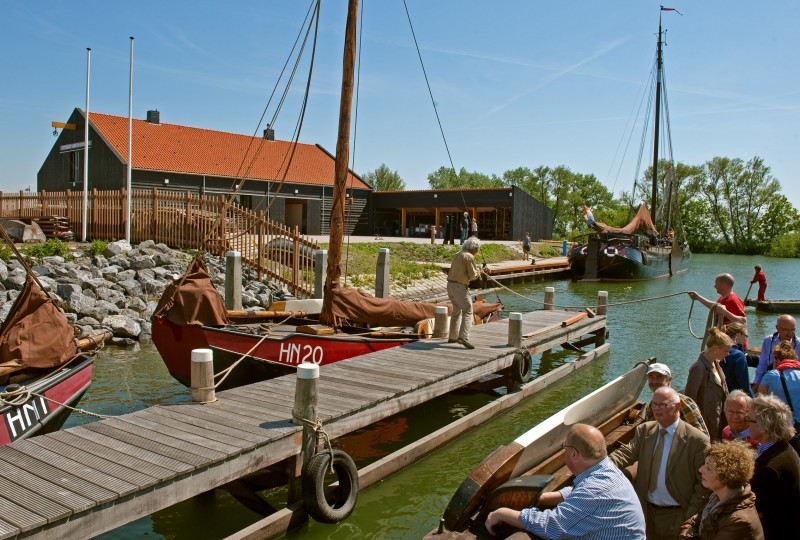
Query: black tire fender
{"type": "Point", "coordinates": [522, 366]}
{"type": "Point", "coordinates": [340, 502]}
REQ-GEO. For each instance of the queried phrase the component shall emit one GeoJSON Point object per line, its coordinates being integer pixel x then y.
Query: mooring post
{"type": "Point", "coordinates": [233, 280]}
{"type": "Point", "coordinates": [602, 302]}
{"type": "Point", "coordinates": [440, 329]}
{"type": "Point", "coordinates": [549, 297]}
{"type": "Point", "coordinates": [382, 274]}
{"type": "Point", "coordinates": [515, 329]}
{"type": "Point", "coordinates": [304, 413]}
{"type": "Point", "coordinates": [320, 271]}
{"type": "Point", "coordinates": [202, 376]}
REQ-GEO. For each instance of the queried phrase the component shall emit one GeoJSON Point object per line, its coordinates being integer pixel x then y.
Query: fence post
{"type": "Point", "coordinates": [233, 280]}
{"type": "Point", "coordinates": [260, 232]}
{"type": "Point", "coordinates": [382, 275]}
{"type": "Point", "coordinates": [202, 376]}
{"type": "Point", "coordinates": [320, 271]}
{"type": "Point", "coordinates": [549, 297]}
{"type": "Point", "coordinates": [440, 329]}
{"type": "Point", "coordinates": [515, 329]}
{"type": "Point", "coordinates": [296, 261]}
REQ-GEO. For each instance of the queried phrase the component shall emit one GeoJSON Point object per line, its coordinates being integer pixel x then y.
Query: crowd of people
{"type": "Point", "coordinates": [720, 461]}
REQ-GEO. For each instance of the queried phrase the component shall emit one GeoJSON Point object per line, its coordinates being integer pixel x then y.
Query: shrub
{"type": "Point", "coordinates": [98, 247]}
{"type": "Point", "coordinates": [5, 252]}
{"type": "Point", "coordinates": [786, 246]}
{"type": "Point", "coordinates": [52, 247]}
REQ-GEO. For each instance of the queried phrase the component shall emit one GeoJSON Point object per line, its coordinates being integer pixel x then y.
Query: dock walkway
{"type": "Point", "coordinates": [86, 480]}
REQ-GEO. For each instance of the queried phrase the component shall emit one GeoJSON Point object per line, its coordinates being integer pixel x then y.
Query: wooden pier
{"type": "Point", "coordinates": [83, 481]}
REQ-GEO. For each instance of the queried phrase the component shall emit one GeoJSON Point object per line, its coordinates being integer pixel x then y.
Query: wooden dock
{"type": "Point", "coordinates": [90, 479]}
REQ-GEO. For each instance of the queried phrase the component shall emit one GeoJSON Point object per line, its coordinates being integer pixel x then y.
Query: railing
{"type": "Point", "coordinates": [182, 221]}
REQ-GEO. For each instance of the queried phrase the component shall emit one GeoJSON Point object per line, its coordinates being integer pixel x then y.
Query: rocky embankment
{"type": "Point", "coordinates": [119, 289]}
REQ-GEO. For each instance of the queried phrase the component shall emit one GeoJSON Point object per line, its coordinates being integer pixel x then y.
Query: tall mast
{"type": "Point", "coordinates": [341, 164]}
{"type": "Point", "coordinates": [653, 200]}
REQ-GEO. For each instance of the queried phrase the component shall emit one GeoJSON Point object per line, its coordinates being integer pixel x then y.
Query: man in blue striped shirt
{"type": "Point", "coordinates": [601, 504]}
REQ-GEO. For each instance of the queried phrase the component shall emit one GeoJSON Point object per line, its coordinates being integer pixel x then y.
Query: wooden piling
{"type": "Point", "coordinates": [549, 297]}
{"type": "Point", "coordinates": [382, 274]}
{"type": "Point", "coordinates": [304, 413]}
{"type": "Point", "coordinates": [440, 329]}
{"type": "Point", "coordinates": [515, 329]}
{"type": "Point", "coordinates": [233, 280]}
{"type": "Point", "coordinates": [602, 302]}
{"type": "Point", "coordinates": [202, 376]}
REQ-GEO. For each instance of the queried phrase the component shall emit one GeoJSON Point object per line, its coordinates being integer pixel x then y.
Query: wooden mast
{"type": "Point", "coordinates": [654, 200]}
{"type": "Point", "coordinates": [341, 165]}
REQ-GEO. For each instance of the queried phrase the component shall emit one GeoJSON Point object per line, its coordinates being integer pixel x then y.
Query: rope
{"type": "Point", "coordinates": [21, 395]}
{"type": "Point", "coordinates": [316, 425]}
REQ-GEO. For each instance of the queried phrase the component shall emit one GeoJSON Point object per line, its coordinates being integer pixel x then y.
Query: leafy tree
{"type": "Point", "coordinates": [384, 179]}
{"type": "Point", "coordinates": [779, 220]}
{"type": "Point", "coordinates": [445, 178]}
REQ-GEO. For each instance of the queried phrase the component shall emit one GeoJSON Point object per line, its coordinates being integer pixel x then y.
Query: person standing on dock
{"type": "Point", "coordinates": [668, 454]}
{"type": "Point", "coordinates": [601, 503]}
{"type": "Point", "coordinates": [463, 270]}
{"type": "Point", "coordinates": [473, 229]}
{"type": "Point", "coordinates": [785, 326]}
{"type": "Point", "coordinates": [659, 375]}
{"type": "Point", "coordinates": [735, 364]}
{"type": "Point", "coordinates": [464, 227]}
{"type": "Point", "coordinates": [761, 279]}
{"type": "Point", "coordinates": [526, 245]}
{"type": "Point", "coordinates": [728, 307]}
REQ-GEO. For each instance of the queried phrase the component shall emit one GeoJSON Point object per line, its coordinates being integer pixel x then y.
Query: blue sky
{"type": "Point", "coordinates": [517, 83]}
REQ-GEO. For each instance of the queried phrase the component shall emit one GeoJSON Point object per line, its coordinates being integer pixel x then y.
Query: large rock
{"type": "Point", "coordinates": [120, 247]}
{"type": "Point", "coordinates": [122, 326]}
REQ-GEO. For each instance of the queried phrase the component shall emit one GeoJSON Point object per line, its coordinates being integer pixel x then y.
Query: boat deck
{"type": "Point", "coordinates": [86, 480]}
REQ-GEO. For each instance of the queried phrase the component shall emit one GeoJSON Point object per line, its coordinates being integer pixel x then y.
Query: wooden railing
{"type": "Point", "coordinates": [180, 220]}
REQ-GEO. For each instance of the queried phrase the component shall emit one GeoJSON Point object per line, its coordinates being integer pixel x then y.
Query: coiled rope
{"type": "Point", "coordinates": [316, 425]}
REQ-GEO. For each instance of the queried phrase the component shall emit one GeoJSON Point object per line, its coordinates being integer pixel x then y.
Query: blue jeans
{"type": "Point", "coordinates": [464, 234]}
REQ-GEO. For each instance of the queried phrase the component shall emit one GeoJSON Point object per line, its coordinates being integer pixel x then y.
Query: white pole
{"type": "Point", "coordinates": [130, 149]}
{"type": "Point", "coordinates": [86, 150]}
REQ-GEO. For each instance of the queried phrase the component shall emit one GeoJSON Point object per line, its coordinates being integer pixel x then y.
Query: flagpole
{"type": "Point", "coordinates": [86, 150]}
{"type": "Point", "coordinates": [130, 150]}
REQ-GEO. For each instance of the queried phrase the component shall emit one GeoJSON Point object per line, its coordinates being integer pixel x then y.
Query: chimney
{"type": "Point", "coordinates": [269, 133]}
{"type": "Point", "coordinates": [154, 117]}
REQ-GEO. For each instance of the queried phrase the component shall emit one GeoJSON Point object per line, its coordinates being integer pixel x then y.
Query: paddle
{"type": "Point", "coordinates": [748, 291]}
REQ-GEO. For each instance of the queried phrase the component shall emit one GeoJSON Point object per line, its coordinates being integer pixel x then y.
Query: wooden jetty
{"type": "Point", "coordinates": [90, 479]}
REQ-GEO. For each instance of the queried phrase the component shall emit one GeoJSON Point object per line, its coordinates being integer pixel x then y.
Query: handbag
{"type": "Point", "coordinates": [794, 442]}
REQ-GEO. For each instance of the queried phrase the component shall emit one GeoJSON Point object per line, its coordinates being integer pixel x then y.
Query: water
{"type": "Point", "coordinates": [410, 503]}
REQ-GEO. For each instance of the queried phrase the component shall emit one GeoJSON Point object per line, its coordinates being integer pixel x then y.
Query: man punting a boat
{"type": "Point", "coordinates": [601, 504]}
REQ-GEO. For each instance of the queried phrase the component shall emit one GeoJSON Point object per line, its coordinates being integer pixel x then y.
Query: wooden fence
{"type": "Point", "coordinates": [180, 220]}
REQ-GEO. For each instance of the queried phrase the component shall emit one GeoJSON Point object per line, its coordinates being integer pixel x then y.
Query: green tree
{"type": "Point", "coordinates": [384, 179]}
{"type": "Point", "coordinates": [445, 178]}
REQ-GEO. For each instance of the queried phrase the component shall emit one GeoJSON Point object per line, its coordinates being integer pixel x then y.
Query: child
{"type": "Point", "coordinates": [526, 245]}
{"type": "Point", "coordinates": [761, 279]}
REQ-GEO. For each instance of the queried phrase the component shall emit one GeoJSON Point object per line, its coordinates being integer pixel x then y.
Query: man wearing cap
{"type": "Point", "coordinates": [658, 376]}
{"type": "Point", "coordinates": [464, 227]}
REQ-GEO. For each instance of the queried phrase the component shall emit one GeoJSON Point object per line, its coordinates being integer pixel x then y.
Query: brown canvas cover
{"type": "Point", "coordinates": [641, 222]}
{"type": "Point", "coordinates": [353, 305]}
{"type": "Point", "coordinates": [36, 334]}
{"type": "Point", "coordinates": [193, 300]}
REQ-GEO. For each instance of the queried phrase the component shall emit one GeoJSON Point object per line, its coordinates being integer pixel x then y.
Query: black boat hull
{"type": "Point", "coordinates": [627, 259]}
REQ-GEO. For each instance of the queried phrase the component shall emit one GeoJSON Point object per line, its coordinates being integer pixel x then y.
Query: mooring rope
{"type": "Point", "coordinates": [316, 425]}
{"type": "Point", "coordinates": [19, 396]}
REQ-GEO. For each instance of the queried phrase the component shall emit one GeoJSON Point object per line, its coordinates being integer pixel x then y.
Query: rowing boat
{"type": "Point", "coordinates": [516, 474]}
{"type": "Point", "coordinates": [775, 306]}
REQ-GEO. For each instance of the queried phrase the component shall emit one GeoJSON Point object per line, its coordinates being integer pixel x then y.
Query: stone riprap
{"type": "Point", "coordinates": [119, 289]}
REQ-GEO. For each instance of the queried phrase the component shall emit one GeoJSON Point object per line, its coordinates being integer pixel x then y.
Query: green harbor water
{"type": "Point", "coordinates": [410, 503]}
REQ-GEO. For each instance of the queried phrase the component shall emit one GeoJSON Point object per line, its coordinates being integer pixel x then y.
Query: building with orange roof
{"type": "Point", "coordinates": [294, 181]}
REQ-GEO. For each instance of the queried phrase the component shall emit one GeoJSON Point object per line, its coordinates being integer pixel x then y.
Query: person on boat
{"type": "Point", "coordinates": [464, 228]}
{"type": "Point", "coordinates": [736, 408]}
{"type": "Point", "coordinates": [474, 228]}
{"type": "Point", "coordinates": [776, 479]}
{"type": "Point", "coordinates": [734, 365]}
{"type": "Point", "coordinates": [761, 279]}
{"type": "Point", "coordinates": [670, 499]}
{"type": "Point", "coordinates": [785, 328]}
{"type": "Point", "coordinates": [731, 510]}
{"type": "Point", "coordinates": [784, 380]}
{"type": "Point", "coordinates": [463, 270]}
{"type": "Point", "coordinates": [706, 384]}
{"type": "Point", "coordinates": [526, 245]}
{"type": "Point", "coordinates": [728, 308]}
{"type": "Point", "coordinates": [601, 503]}
{"type": "Point", "coordinates": [658, 376]}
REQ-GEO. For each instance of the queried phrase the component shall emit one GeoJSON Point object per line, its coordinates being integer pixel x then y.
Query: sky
{"type": "Point", "coordinates": [516, 82]}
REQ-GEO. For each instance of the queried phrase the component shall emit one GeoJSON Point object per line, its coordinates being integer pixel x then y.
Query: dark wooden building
{"type": "Point", "coordinates": [180, 158]}
{"type": "Point", "coordinates": [501, 213]}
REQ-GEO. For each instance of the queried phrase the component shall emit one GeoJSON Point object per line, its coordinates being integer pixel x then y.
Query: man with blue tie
{"type": "Point", "coordinates": [669, 453]}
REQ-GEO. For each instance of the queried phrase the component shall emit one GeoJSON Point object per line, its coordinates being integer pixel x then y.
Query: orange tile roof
{"type": "Point", "coordinates": [183, 149]}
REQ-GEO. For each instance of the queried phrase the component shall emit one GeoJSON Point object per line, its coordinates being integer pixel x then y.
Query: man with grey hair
{"type": "Point", "coordinates": [463, 269]}
{"type": "Point", "coordinates": [464, 227]}
{"type": "Point", "coordinates": [668, 453]}
{"type": "Point", "coordinates": [786, 325]}
{"type": "Point", "coordinates": [601, 503]}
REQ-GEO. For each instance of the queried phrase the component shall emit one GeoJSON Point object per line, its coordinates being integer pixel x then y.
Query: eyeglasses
{"type": "Point", "coordinates": [736, 413]}
{"type": "Point", "coordinates": [784, 329]}
{"type": "Point", "coordinates": [565, 446]}
{"type": "Point", "coordinates": [751, 421]}
{"type": "Point", "coordinates": [662, 405]}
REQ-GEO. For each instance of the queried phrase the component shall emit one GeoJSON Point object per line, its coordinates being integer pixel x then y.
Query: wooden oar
{"type": "Point", "coordinates": [748, 292]}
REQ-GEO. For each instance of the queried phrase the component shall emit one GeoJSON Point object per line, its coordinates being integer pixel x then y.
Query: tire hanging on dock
{"type": "Point", "coordinates": [341, 501]}
{"type": "Point", "coordinates": [522, 366]}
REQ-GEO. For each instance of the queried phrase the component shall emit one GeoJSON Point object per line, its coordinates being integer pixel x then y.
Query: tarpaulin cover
{"type": "Point", "coordinates": [36, 334]}
{"type": "Point", "coordinates": [352, 305]}
{"type": "Point", "coordinates": [640, 222]}
{"type": "Point", "coordinates": [194, 300]}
